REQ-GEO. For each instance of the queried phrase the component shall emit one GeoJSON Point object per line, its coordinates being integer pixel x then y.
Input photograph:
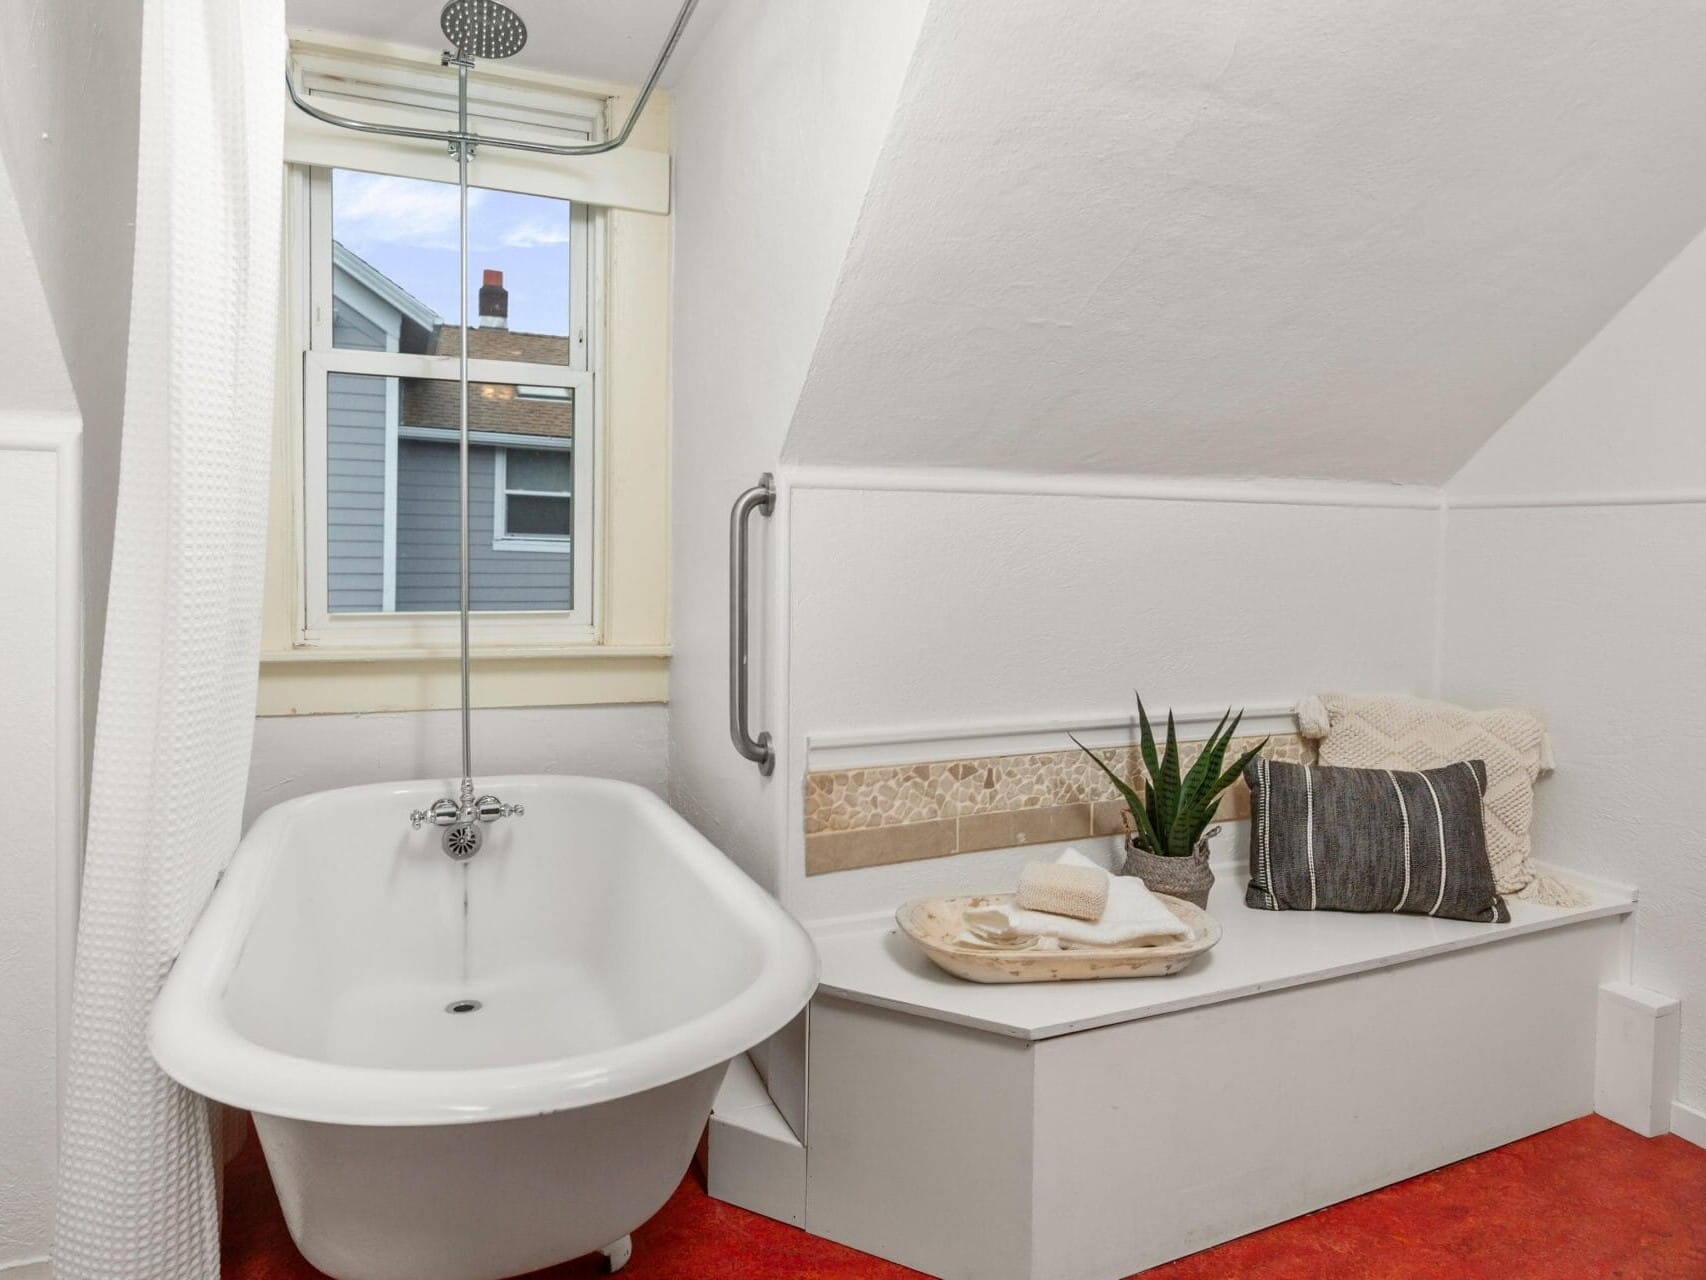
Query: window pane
{"type": "Point", "coordinates": [394, 268]}
{"type": "Point", "coordinates": [540, 470]}
{"type": "Point", "coordinates": [395, 547]}
{"type": "Point", "coordinates": [534, 516]}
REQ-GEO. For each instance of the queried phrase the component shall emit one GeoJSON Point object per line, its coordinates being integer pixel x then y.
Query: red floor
{"type": "Point", "coordinates": [1580, 1202]}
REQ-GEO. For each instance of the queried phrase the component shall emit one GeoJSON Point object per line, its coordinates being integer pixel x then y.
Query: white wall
{"type": "Point", "coordinates": [68, 121]}
{"type": "Point", "coordinates": [931, 608]}
{"type": "Point", "coordinates": [1253, 237]}
{"type": "Point", "coordinates": [40, 753]}
{"type": "Point", "coordinates": [1575, 583]}
{"type": "Point", "coordinates": [777, 122]}
{"type": "Point", "coordinates": [295, 755]}
{"type": "Point", "coordinates": [68, 112]}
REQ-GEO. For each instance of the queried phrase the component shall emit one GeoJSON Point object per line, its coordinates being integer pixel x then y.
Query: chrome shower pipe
{"type": "Point", "coordinates": [461, 135]}
{"type": "Point", "coordinates": [462, 148]}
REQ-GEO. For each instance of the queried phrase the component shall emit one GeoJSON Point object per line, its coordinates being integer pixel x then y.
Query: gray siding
{"type": "Point", "coordinates": [352, 330]}
{"type": "Point", "coordinates": [427, 576]}
{"type": "Point", "coordinates": [355, 493]}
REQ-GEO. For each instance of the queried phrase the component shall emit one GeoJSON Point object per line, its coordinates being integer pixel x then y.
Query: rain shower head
{"type": "Point", "coordinates": [483, 28]}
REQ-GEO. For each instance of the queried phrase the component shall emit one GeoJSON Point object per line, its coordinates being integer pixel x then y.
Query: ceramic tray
{"type": "Point", "coordinates": [935, 924]}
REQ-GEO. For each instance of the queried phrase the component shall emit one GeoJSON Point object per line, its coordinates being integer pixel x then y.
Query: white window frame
{"type": "Point", "coordinates": [317, 626]}
{"type": "Point", "coordinates": [502, 538]}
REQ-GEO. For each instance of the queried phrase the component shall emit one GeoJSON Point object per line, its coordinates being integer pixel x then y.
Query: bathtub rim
{"type": "Point", "coordinates": [194, 1041]}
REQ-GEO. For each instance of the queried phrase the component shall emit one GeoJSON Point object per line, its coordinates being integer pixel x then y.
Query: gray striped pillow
{"type": "Point", "coordinates": [1338, 839]}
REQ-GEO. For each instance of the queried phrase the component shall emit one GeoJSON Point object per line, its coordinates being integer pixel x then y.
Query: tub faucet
{"type": "Point", "coordinates": [462, 820]}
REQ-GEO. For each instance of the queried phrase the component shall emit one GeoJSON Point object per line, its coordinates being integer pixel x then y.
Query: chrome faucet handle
{"type": "Point", "coordinates": [448, 813]}
{"type": "Point", "coordinates": [490, 809]}
{"type": "Point", "coordinates": [442, 813]}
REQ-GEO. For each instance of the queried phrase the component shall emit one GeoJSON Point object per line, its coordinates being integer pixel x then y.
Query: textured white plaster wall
{"type": "Point", "coordinates": [1623, 416]}
{"type": "Point", "coordinates": [68, 121]}
{"type": "Point", "coordinates": [1259, 237]}
{"type": "Point", "coordinates": [1594, 615]}
{"type": "Point", "coordinates": [918, 608]}
{"type": "Point", "coordinates": [778, 119]}
{"type": "Point", "coordinates": [1591, 607]}
{"type": "Point", "coordinates": [295, 755]}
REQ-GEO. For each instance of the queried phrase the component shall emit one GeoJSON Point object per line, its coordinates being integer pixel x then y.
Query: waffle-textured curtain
{"type": "Point", "coordinates": [138, 1187]}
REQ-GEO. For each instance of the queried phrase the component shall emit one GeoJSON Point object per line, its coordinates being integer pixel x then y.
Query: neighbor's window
{"type": "Point", "coordinates": [382, 408]}
{"type": "Point", "coordinates": [535, 501]}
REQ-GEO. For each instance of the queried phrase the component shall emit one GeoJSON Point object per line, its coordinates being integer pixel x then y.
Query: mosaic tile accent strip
{"type": "Point", "coordinates": [901, 813]}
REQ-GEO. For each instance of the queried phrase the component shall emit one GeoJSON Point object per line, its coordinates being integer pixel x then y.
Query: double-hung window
{"type": "Point", "coordinates": [381, 407]}
{"type": "Point", "coordinates": [568, 321]}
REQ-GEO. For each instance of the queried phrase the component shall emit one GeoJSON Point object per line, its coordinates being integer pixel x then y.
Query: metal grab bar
{"type": "Point", "coordinates": [762, 499]}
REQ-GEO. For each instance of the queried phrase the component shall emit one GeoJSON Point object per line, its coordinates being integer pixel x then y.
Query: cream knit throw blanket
{"type": "Point", "coordinates": [1391, 732]}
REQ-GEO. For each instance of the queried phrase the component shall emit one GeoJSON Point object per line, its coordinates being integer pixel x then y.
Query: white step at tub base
{"type": "Point", "coordinates": [753, 1159]}
{"type": "Point", "coordinates": [1086, 1131]}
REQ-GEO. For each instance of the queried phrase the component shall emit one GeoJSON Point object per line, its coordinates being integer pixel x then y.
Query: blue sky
{"type": "Point", "coordinates": [407, 228]}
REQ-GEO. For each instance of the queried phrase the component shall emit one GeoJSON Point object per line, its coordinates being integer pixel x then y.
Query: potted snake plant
{"type": "Point", "coordinates": [1168, 819]}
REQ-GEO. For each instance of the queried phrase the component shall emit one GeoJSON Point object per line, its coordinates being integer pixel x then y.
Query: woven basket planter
{"type": "Point", "coordinates": [1188, 878]}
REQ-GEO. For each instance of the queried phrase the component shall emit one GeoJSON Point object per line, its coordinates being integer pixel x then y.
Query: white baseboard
{"type": "Point", "coordinates": [35, 1269]}
{"type": "Point", "coordinates": [1688, 1123]}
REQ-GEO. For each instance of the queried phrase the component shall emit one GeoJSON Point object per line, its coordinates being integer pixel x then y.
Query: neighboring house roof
{"type": "Point", "coordinates": [505, 344]}
{"type": "Point", "coordinates": [496, 408]}
{"type": "Point", "coordinates": [360, 269]}
{"type": "Point", "coordinates": [492, 406]}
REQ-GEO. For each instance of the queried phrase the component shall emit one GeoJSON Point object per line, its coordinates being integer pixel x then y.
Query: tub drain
{"type": "Point", "coordinates": [462, 1006]}
{"type": "Point", "coordinates": [462, 841]}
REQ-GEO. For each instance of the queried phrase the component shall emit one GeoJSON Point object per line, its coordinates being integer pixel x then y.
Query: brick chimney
{"type": "Point", "coordinates": [494, 302]}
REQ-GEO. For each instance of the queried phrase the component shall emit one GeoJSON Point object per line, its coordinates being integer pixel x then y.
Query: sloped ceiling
{"type": "Point", "coordinates": [595, 39]}
{"type": "Point", "coordinates": [1253, 237]}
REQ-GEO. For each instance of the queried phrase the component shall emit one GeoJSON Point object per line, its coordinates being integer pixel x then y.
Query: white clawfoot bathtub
{"type": "Point", "coordinates": [619, 961]}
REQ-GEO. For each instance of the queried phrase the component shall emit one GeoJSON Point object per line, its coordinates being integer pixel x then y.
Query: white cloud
{"type": "Point", "coordinates": [537, 232]}
{"type": "Point", "coordinates": [379, 208]}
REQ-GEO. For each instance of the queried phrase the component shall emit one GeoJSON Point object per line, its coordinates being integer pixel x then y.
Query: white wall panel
{"type": "Point", "coordinates": [919, 608]}
{"type": "Point", "coordinates": [40, 758]}
{"type": "Point", "coordinates": [296, 755]}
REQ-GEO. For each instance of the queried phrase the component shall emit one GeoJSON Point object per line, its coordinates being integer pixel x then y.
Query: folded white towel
{"type": "Point", "coordinates": [1133, 916]}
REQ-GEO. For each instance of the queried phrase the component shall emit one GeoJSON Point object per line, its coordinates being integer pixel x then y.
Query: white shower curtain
{"type": "Point", "coordinates": [138, 1186]}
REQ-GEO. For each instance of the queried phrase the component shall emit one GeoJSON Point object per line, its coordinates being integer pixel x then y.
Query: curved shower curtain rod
{"type": "Point", "coordinates": [456, 137]}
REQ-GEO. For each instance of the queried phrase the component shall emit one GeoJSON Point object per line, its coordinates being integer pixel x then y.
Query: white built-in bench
{"type": "Point", "coordinates": [1087, 1130]}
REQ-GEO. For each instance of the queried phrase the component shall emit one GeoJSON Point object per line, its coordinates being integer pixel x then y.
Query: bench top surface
{"type": "Point", "coordinates": [871, 962]}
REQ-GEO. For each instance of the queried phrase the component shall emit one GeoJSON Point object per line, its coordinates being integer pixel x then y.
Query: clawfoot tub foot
{"type": "Point", "coordinates": [616, 1255]}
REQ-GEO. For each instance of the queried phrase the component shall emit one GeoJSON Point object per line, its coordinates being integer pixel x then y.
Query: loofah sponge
{"type": "Point", "coordinates": [1063, 890]}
